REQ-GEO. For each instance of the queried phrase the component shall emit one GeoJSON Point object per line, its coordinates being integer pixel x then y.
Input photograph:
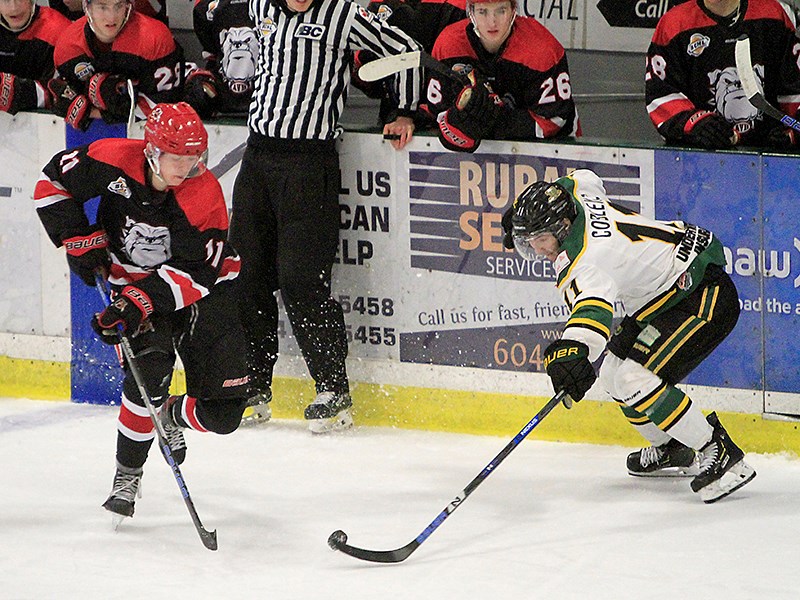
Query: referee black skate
{"type": "Point", "coordinates": [285, 221]}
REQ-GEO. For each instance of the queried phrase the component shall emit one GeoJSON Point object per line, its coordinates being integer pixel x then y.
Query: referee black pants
{"type": "Point", "coordinates": [285, 226]}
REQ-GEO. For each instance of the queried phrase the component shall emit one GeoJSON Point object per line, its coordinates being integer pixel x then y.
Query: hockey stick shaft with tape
{"type": "Point", "coordinates": [209, 538]}
{"type": "Point", "coordinates": [744, 65]}
{"type": "Point", "coordinates": [338, 539]}
{"type": "Point", "coordinates": [389, 65]}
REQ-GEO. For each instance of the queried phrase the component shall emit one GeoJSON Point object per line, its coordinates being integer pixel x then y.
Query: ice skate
{"type": "Point", "coordinates": [125, 490]}
{"type": "Point", "coordinates": [722, 466]}
{"type": "Point", "coordinates": [329, 412]}
{"type": "Point", "coordinates": [672, 459]}
{"type": "Point", "coordinates": [173, 431]}
{"type": "Point", "coordinates": [257, 411]}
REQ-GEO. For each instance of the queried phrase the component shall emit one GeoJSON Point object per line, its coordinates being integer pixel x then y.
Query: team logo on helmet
{"type": "Point", "coordinates": [697, 43]}
{"type": "Point", "coordinates": [84, 70]}
{"type": "Point", "coordinates": [120, 186]}
{"type": "Point", "coordinates": [267, 27]}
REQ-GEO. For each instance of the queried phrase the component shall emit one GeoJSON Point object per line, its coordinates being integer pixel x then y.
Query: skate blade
{"type": "Point", "coordinates": [341, 422]}
{"type": "Point", "coordinates": [738, 475]}
{"type": "Point", "coordinates": [116, 520]}
{"type": "Point", "coordinates": [690, 471]}
{"type": "Point", "coordinates": [255, 415]}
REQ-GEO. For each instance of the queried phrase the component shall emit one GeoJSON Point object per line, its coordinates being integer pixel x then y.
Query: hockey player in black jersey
{"type": "Point", "coordinates": [28, 34]}
{"type": "Point", "coordinates": [160, 238]}
{"type": "Point", "coordinates": [692, 88]}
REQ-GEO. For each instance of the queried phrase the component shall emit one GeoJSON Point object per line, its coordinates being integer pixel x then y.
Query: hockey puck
{"type": "Point", "coordinates": [337, 539]}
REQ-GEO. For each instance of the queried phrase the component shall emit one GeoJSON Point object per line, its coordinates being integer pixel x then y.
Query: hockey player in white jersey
{"type": "Point", "coordinates": [679, 305]}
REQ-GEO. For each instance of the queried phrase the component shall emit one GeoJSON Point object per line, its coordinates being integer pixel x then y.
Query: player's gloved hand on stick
{"type": "Point", "coordinates": [201, 92]}
{"type": "Point", "coordinates": [709, 129]}
{"type": "Point", "coordinates": [567, 364]}
{"type": "Point", "coordinates": [87, 253]}
{"type": "Point", "coordinates": [127, 310]}
{"type": "Point", "coordinates": [479, 103]}
{"type": "Point", "coordinates": [67, 103]}
{"type": "Point", "coordinates": [781, 138]}
{"type": "Point", "coordinates": [109, 93]}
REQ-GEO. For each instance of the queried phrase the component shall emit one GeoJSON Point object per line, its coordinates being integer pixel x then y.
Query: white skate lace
{"type": "Point", "coordinates": [708, 457]}
{"type": "Point", "coordinates": [325, 398]}
{"type": "Point", "coordinates": [125, 486]}
{"type": "Point", "coordinates": [174, 437]}
{"type": "Point", "coordinates": [650, 455]}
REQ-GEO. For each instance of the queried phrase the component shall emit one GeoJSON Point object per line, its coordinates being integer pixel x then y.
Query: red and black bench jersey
{"type": "Point", "coordinates": [691, 65]}
{"type": "Point", "coordinates": [28, 55]}
{"type": "Point", "coordinates": [172, 245]}
{"type": "Point", "coordinates": [144, 51]}
{"type": "Point", "coordinates": [230, 43]}
{"type": "Point", "coordinates": [422, 20]}
{"type": "Point", "coordinates": [529, 73]}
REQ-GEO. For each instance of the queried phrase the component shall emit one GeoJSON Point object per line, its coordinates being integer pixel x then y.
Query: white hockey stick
{"type": "Point", "coordinates": [389, 65]}
{"type": "Point", "coordinates": [132, 113]}
{"type": "Point", "coordinates": [747, 76]}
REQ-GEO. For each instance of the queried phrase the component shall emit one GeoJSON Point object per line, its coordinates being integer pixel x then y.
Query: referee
{"type": "Point", "coordinates": [285, 222]}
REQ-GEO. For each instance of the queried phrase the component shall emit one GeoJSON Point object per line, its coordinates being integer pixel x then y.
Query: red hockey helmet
{"type": "Point", "coordinates": [177, 129]}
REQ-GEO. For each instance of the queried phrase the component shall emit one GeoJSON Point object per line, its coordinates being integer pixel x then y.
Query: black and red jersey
{"type": "Point", "coordinates": [529, 73]}
{"type": "Point", "coordinates": [28, 54]}
{"type": "Point", "coordinates": [144, 52]}
{"type": "Point", "coordinates": [172, 245]}
{"type": "Point", "coordinates": [230, 45]}
{"type": "Point", "coordinates": [691, 66]}
{"type": "Point", "coordinates": [422, 20]}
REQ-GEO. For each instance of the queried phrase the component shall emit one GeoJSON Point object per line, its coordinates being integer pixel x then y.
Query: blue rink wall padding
{"type": "Point", "coordinates": [95, 375]}
{"type": "Point", "coordinates": [781, 230]}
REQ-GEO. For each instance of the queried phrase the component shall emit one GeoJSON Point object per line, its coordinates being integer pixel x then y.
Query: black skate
{"type": "Point", "coordinates": [722, 466]}
{"type": "Point", "coordinates": [126, 488]}
{"type": "Point", "coordinates": [672, 459]}
{"type": "Point", "coordinates": [173, 431]}
{"type": "Point", "coordinates": [330, 411]}
{"type": "Point", "coordinates": [257, 411]}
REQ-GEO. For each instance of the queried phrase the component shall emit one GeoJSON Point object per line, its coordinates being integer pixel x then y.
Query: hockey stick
{"type": "Point", "coordinates": [338, 539]}
{"type": "Point", "coordinates": [389, 65]}
{"type": "Point", "coordinates": [209, 538]}
{"type": "Point", "coordinates": [747, 76]}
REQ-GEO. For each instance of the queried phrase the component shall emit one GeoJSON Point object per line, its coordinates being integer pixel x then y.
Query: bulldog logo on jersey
{"type": "Point", "coordinates": [146, 245]}
{"type": "Point", "coordinates": [84, 70]}
{"type": "Point", "coordinates": [697, 43]}
{"type": "Point", "coordinates": [729, 97]}
{"type": "Point", "coordinates": [310, 31]}
{"type": "Point", "coordinates": [267, 27]}
{"type": "Point", "coordinates": [239, 54]}
{"type": "Point", "coordinates": [120, 186]}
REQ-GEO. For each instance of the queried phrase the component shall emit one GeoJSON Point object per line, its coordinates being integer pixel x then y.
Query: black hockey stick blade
{"type": "Point", "coordinates": [747, 76]}
{"type": "Point", "coordinates": [338, 539]}
{"type": "Point", "coordinates": [389, 65]}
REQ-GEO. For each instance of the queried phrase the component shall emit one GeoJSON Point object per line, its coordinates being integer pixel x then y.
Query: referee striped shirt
{"type": "Point", "coordinates": [303, 73]}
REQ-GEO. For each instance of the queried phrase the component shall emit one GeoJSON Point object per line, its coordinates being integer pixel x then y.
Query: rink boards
{"type": "Point", "coordinates": [446, 327]}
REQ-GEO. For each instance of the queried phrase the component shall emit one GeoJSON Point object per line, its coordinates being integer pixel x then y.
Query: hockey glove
{"type": "Point", "coordinates": [73, 107]}
{"type": "Point", "coordinates": [8, 83]}
{"type": "Point", "coordinates": [109, 93]}
{"type": "Point", "coordinates": [710, 130]}
{"type": "Point", "coordinates": [480, 105]}
{"type": "Point", "coordinates": [87, 254]}
{"type": "Point", "coordinates": [201, 92]}
{"type": "Point", "coordinates": [567, 364]}
{"type": "Point", "coordinates": [127, 312]}
{"type": "Point", "coordinates": [781, 138]}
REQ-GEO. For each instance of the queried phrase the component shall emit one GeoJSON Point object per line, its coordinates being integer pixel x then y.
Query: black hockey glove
{"type": "Point", "coordinates": [710, 130]}
{"type": "Point", "coordinates": [109, 93]}
{"type": "Point", "coordinates": [480, 105]}
{"type": "Point", "coordinates": [128, 310]}
{"type": "Point", "coordinates": [781, 138]}
{"type": "Point", "coordinates": [18, 93]}
{"type": "Point", "coordinates": [74, 108]}
{"type": "Point", "coordinates": [201, 92]}
{"type": "Point", "coordinates": [456, 132]}
{"type": "Point", "coordinates": [567, 364]}
{"type": "Point", "coordinates": [87, 254]}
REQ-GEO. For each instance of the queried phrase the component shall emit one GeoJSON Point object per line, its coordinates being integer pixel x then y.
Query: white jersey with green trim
{"type": "Point", "coordinates": [614, 254]}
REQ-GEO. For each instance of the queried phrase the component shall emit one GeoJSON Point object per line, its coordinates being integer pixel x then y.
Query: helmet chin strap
{"type": "Point", "coordinates": [151, 153]}
{"type": "Point", "coordinates": [6, 25]}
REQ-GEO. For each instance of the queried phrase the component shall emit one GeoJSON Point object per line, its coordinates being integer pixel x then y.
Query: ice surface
{"type": "Point", "coordinates": [555, 521]}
